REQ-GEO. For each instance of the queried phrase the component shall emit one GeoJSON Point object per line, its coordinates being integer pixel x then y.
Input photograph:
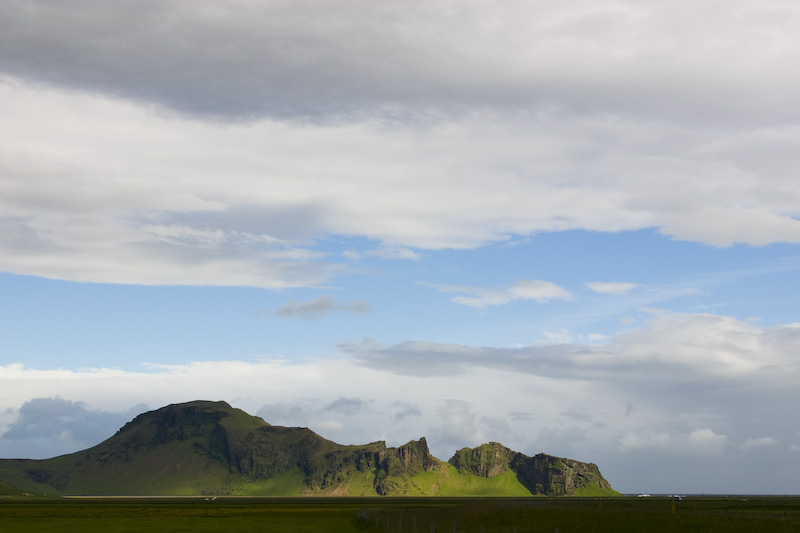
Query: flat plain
{"type": "Point", "coordinates": [464, 515]}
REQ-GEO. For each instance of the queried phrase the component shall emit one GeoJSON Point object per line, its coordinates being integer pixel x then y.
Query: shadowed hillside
{"type": "Point", "coordinates": [210, 448]}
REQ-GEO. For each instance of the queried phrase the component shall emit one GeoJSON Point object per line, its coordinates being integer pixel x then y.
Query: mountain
{"type": "Point", "coordinates": [211, 448]}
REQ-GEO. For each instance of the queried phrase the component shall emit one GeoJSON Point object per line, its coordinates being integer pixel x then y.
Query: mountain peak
{"type": "Point", "coordinates": [487, 460]}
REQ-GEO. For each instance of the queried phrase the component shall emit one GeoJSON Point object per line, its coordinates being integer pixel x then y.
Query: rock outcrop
{"type": "Point", "coordinates": [487, 460]}
{"type": "Point", "coordinates": [541, 474]}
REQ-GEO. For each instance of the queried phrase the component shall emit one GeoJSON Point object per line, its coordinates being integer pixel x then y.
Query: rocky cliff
{"type": "Point", "coordinates": [540, 474]}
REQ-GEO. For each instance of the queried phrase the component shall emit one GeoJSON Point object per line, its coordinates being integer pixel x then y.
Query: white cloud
{"type": "Point", "coordinates": [697, 442]}
{"type": "Point", "coordinates": [395, 252]}
{"type": "Point", "coordinates": [611, 287]}
{"type": "Point", "coordinates": [646, 440]}
{"type": "Point", "coordinates": [524, 289]}
{"type": "Point", "coordinates": [705, 441]}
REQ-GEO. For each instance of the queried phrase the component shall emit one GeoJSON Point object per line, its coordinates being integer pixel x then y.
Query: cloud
{"type": "Point", "coordinates": [320, 307]}
{"type": "Point", "coordinates": [281, 414]}
{"type": "Point", "coordinates": [404, 410]}
{"type": "Point", "coordinates": [755, 444]}
{"type": "Point", "coordinates": [332, 425]}
{"type": "Point", "coordinates": [395, 252]}
{"type": "Point", "coordinates": [697, 442]}
{"type": "Point", "coordinates": [180, 155]}
{"type": "Point", "coordinates": [611, 287]}
{"type": "Point", "coordinates": [415, 358]}
{"type": "Point", "coordinates": [315, 60]}
{"type": "Point", "coordinates": [88, 200]}
{"type": "Point", "coordinates": [459, 422]}
{"type": "Point", "coordinates": [347, 406]}
{"type": "Point", "coordinates": [359, 306]}
{"type": "Point", "coordinates": [693, 349]}
{"type": "Point", "coordinates": [706, 441]}
{"type": "Point", "coordinates": [44, 422]}
{"type": "Point", "coordinates": [524, 289]}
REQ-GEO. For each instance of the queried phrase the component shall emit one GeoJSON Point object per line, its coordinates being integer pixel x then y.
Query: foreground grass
{"type": "Point", "coordinates": [190, 515]}
{"type": "Point", "coordinates": [465, 515]}
{"type": "Point", "coordinates": [566, 515]}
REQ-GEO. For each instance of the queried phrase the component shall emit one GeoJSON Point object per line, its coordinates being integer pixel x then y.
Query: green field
{"type": "Point", "coordinates": [465, 515]}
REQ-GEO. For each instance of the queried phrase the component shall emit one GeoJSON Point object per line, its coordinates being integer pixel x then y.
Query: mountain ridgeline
{"type": "Point", "coordinates": [210, 448]}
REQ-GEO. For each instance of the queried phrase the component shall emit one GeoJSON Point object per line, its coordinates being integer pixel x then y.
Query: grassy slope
{"type": "Point", "coordinates": [595, 491]}
{"type": "Point", "coordinates": [447, 481]}
{"type": "Point", "coordinates": [444, 481]}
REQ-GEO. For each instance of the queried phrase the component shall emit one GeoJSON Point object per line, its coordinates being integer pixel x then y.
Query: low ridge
{"type": "Point", "coordinates": [211, 448]}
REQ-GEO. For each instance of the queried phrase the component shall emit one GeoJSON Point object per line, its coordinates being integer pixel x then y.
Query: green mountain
{"type": "Point", "coordinates": [213, 449]}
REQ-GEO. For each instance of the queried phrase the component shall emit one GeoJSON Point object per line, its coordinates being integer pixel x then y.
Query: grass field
{"type": "Point", "coordinates": [443, 515]}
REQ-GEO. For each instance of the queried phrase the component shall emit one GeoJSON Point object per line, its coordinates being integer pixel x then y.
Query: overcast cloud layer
{"type": "Point", "coordinates": [331, 60]}
{"type": "Point", "coordinates": [374, 164]}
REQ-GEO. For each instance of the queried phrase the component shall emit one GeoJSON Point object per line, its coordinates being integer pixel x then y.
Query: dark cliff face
{"type": "Point", "coordinates": [414, 457]}
{"type": "Point", "coordinates": [487, 460]}
{"type": "Point", "coordinates": [331, 469]}
{"type": "Point", "coordinates": [403, 462]}
{"type": "Point", "coordinates": [557, 476]}
{"type": "Point", "coordinates": [541, 474]}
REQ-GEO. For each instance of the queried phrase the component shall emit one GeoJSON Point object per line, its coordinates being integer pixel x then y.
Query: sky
{"type": "Point", "coordinates": [569, 227]}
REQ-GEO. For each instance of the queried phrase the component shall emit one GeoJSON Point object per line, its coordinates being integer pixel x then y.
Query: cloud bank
{"type": "Point", "coordinates": [684, 386]}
